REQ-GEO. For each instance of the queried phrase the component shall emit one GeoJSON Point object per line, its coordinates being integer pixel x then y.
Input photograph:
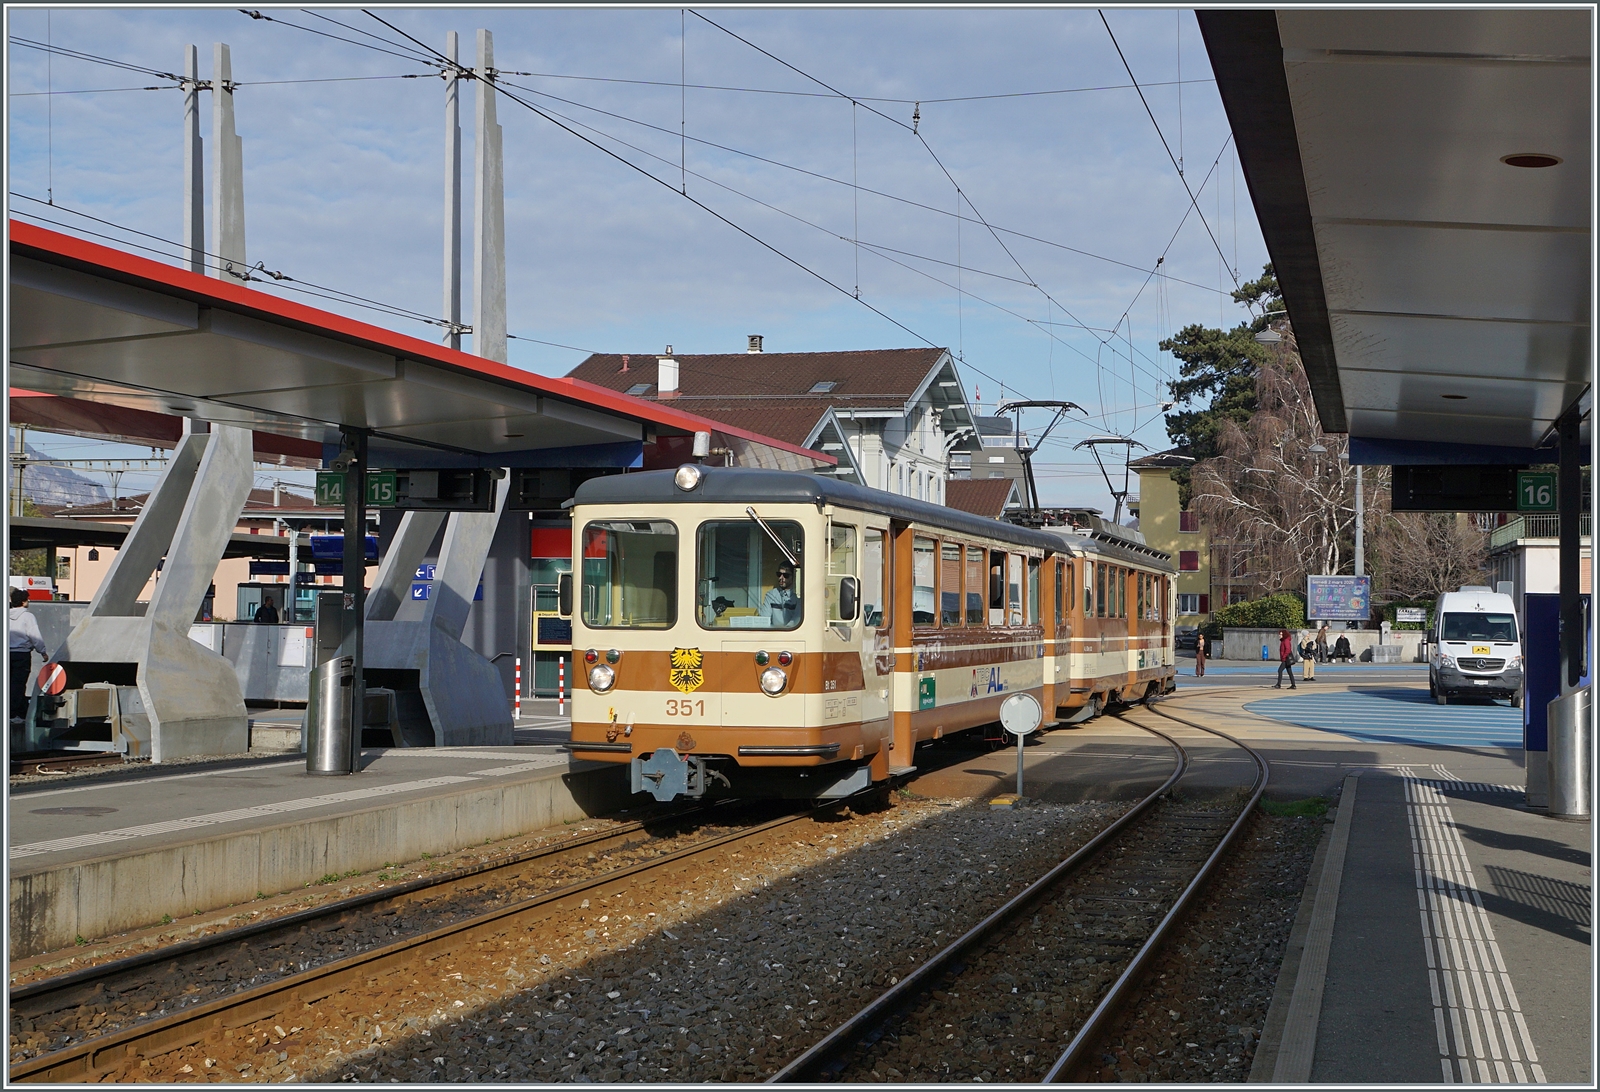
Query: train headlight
{"type": "Point", "coordinates": [774, 681]}
{"type": "Point", "coordinates": [601, 678]}
{"type": "Point", "coordinates": [688, 477]}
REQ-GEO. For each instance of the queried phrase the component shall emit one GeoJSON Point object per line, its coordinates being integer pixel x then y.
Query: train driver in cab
{"type": "Point", "coordinates": [782, 603]}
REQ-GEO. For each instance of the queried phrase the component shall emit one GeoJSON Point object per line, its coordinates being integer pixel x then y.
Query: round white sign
{"type": "Point", "coordinates": [1021, 714]}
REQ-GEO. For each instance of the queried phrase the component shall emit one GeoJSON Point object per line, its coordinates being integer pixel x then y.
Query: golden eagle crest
{"type": "Point", "coordinates": [688, 669]}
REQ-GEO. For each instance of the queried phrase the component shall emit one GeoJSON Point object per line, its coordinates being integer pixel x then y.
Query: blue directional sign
{"type": "Point", "coordinates": [421, 590]}
{"type": "Point", "coordinates": [1338, 598]}
{"type": "Point", "coordinates": [425, 572]}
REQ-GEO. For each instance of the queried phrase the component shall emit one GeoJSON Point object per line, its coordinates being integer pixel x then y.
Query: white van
{"type": "Point", "coordinates": [1476, 649]}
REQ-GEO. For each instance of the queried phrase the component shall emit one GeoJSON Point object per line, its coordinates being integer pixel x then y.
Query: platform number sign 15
{"type": "Point", "coordinates": [1536, 492]}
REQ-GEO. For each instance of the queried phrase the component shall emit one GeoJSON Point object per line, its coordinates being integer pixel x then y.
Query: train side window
{"type": "Point", "coordinates": [873, 583]}
{"type": "Point", "coordinates": [950, 584]}
{"type": "Point", "coordinates": [841, 563]}
{"type": "Point", "coordinates": [1088, 589]}
{"type": "Point", "coordinates": [997, 588]}
{"type": "Point", "coordinates": [1061, 589]}
{"type": "Point", "coordinates": [1122, 592]}
{"type": "Point", "coordinates": [1099, 591]}
{"type": "Point", "coordinates": [1034, 591]}
{"type": "Point", "coordinates": [1014, 589]}
{"type": "Point", "coordinates": [922, 601]}
{"type": "Point", "coordinates": [974, 586]}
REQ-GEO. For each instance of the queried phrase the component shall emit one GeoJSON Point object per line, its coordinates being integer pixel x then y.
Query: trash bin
{"type": "Point", "coordinates": [1571, 749]}
{"type": "Point", "coordinates": [328, 748]}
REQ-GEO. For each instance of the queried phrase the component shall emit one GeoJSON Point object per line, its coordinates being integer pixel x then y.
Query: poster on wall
{"type": "Point", "coordinates": [1338, 598]}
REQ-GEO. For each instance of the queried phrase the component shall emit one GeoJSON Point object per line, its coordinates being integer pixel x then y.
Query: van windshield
{"type": "Point", "coordinates": [1478, 627]}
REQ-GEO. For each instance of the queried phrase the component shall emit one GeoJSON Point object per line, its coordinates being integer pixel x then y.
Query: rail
{"type": "Point", "coordinates": [105, 1056]}
{"type": "Point", "coordinates": [825, 1053]}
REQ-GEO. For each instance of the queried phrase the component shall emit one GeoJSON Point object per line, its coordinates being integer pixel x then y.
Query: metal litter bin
{"type": "Point", "coordinates": [328, 727]}
{"type": "Point", "coordinates": [1571, 751]}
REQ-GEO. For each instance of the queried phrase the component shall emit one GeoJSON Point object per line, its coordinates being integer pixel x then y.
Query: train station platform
{"type": "Point", "coordinates": [1445, 933]}
{"type": "Point", "coordinates": [101, 855]}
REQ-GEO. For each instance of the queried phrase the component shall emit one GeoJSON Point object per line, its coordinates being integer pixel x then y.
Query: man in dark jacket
{"type": "Point", "coordinates": [1285, 660]}
{"type": "Point", "coordinates": [267, 613]}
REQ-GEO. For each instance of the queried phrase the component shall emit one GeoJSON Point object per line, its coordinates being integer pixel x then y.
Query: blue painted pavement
{"type": "Point", "coordinates": [1398, 715]}
{"type": "Point", "coordinates": [1270, 668]}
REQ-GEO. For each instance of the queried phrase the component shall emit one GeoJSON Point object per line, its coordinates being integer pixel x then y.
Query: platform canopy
{"type": "Point", "coordinates": [88, 322]}
{"type": "Point", "coordinates": [1436, 274]}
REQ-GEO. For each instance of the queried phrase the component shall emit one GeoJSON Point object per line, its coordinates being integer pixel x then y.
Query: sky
{"type": "Point", "coordinates": [979, 179]}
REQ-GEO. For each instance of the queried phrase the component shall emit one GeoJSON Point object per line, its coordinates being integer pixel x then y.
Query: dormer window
{"type": "Point", "coordinates": [639, 388]}
{"type": "Point", "coordinates": [824, 386]}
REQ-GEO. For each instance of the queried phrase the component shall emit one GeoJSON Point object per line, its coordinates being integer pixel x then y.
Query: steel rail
{"type": "Point", "coordinates": [94, 1058]}
{"type": "Point", "coordinates": [1120, 991]}
{"type": "Point", "coordinates": [814, 1063]}
{"type": "Point", "coordinates": [398, 893]}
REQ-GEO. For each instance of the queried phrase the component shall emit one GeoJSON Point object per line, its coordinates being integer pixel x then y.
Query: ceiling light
{"type": "Point", "coordinates": [1454, 397]}
{"type": "Point", "coordinates": [514, 435]}
{"type": "Point", "coordinates": [1530, 159]}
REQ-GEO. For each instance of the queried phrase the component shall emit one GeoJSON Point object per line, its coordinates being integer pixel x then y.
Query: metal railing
{"type": "Point", "coordinates": [1535, 526]}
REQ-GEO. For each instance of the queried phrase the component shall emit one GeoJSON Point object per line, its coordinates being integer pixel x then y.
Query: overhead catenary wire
{"type": "Point", "coordinates": [1178, 166]}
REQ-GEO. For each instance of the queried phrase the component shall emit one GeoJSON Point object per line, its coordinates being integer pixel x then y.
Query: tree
{"type": "Point", "coordinates": [1287, 508]}
{"type": "Point", "coordinates": [1418, 555]}
{"type": "Point", "coordinates": [1219, 367]}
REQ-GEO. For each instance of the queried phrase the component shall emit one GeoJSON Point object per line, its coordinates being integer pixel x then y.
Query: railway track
{"type": "Point", "coordinates": [121, 1011]}
{"type": "Point", "coordinates": [1055, 963]}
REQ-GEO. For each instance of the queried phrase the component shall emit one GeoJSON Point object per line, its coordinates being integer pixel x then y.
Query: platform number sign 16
{"type": "Point", "coordinates": [1536, 492]}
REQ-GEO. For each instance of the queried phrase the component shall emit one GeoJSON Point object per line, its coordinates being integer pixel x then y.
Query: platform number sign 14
{"type": "Point", "coordinates": [1536, 492]}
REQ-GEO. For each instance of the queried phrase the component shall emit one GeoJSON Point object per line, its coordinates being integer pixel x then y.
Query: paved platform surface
{"type": "Point", "coordinates": [1460, 947]}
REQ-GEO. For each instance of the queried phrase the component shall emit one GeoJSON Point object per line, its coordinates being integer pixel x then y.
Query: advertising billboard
{"type": "Point", "coordinates": [1338, 598]}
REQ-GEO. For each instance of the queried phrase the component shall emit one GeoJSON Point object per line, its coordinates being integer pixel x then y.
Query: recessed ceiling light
{"type": "Point", "coordinates": [1454, 397]}
{"type": "Point", "coordinates": [514, 435]}
{"type": "Point", "coordinates": [1530, 159]}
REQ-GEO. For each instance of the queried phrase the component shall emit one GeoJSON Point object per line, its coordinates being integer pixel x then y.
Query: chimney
{"type": "Point", "coordinates": [666, 375]}
{"type": "Point", "coordinates": [755, 344]}
{"type": "Point", "coordinates": [277, 494]}
{"type": "Point", "coordinates": [624, 362]}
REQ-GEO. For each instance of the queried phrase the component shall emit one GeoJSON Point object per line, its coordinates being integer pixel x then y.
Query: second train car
{"type": "Point", "coordinates": [787, 634]}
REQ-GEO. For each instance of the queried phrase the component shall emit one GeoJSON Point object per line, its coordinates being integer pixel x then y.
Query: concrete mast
{"type": "Point", "coordinates": [489, 218]}
{"type": "Point", "coordinates": [227, 170]}
{"type": "Point", "coordinates": [452, 194]}
{"type": "Point", "coordinates": [194, 180]}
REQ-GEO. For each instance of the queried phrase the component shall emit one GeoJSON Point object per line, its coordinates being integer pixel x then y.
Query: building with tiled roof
{"type": "Point", "coordinates": [991, 498]}
{"type": "Point", "coordinates": [893, 417]}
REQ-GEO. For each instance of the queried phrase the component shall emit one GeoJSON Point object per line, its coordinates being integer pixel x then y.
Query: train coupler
{"type": "Point", "coordinates": [667, 775]}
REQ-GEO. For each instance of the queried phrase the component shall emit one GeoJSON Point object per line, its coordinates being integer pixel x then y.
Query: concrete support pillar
{"type": "Point", "coordinates": [227, 171]}
{"type": "Point", "coordinates": [177, 698]}
{"type": "Point", "coordinates": [459, 697]}
{"type": "Point", "coordinates": [452, 194]}
{"type": "Point", "coordinates": [489, 217]}
{"type": "Point", "coordinates": [194, 182]}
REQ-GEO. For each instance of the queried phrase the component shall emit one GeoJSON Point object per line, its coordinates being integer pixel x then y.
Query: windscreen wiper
{"type": "Point", "coordinates": [773, 535]}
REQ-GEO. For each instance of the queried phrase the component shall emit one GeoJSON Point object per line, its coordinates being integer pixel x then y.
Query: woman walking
{"type": "Point", "coordinates": [1199, 654]}
{"type": "Point", "coordinates": [1285, 660]}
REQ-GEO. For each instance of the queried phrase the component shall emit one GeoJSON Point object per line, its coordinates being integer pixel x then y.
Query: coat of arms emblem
{"type": "Point", "coordinates": [688, 669]}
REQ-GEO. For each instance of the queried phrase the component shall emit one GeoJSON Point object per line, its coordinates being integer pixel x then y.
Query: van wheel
{"type": "Point", "coordinates": [1441, 697]}
{"type": "Point", "coordinates": [1516, 700]}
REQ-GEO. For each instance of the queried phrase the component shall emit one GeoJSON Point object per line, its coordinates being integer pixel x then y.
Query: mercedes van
{"type": "Point", "coordinates": [1476, 646]}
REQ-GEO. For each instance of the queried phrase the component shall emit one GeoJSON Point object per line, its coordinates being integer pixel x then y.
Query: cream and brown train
{"type": "Point", "coordinates": [785, 634]}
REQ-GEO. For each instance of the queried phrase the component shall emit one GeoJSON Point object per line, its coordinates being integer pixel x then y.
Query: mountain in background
{"type": "Point", "coordinates": [58, 486]}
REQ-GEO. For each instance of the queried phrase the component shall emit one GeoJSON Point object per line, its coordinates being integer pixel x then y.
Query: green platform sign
{"type": "Point", "coordinates": [382, 489]}
{"type": "Point", "coordinates": [1536, 491]}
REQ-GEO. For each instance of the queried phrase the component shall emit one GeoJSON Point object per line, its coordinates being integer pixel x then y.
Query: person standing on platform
{"type": "Point", "coordinates": [1322, 644]}
{"type": "Point", "coordinates": [1308, 657]}
{"type": "Point", "coordinates": [1286, 659]}
{"type": "Point", "coordinates": [267, 613]}
{"type": "Point", "coordinates": [1199, 655]}
{"type": "Point", "coordinates": [25, 641]}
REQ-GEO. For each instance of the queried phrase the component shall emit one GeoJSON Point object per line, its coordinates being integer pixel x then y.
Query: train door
{"type": "Point", "coordinates": [877, 648]}
{"type": "Point", "coordinates": [843, 675]}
